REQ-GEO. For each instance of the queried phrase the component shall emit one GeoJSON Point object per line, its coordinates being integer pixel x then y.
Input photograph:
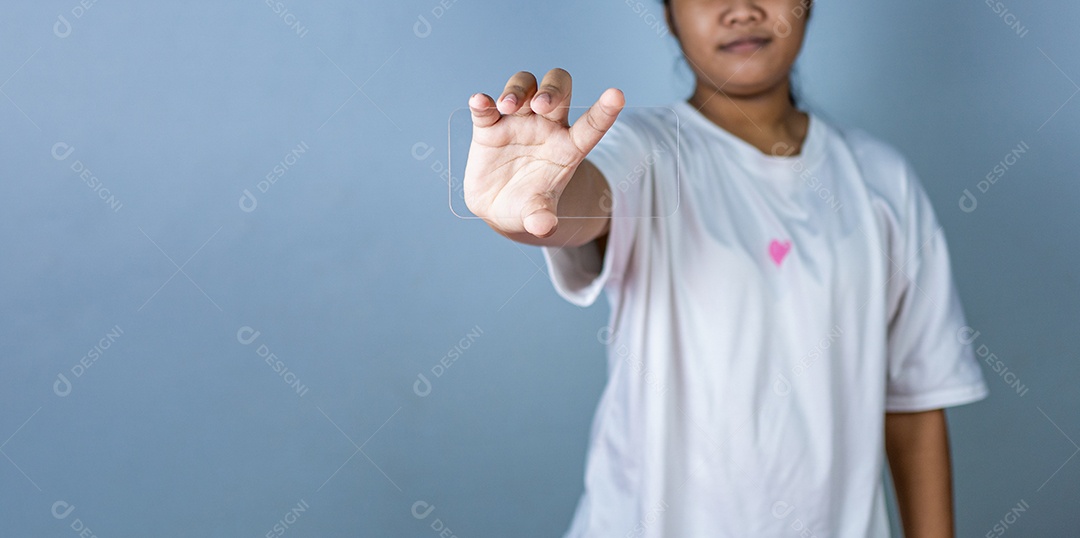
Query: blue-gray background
{"type": "Point", "coordinates": [359, 279]}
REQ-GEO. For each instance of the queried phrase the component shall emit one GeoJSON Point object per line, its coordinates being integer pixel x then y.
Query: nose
{"type": "Point", "coordinates": [742, 12]}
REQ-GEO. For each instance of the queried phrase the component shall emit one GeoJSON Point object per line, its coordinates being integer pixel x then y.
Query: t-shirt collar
{"type": "Point", "coordinates": [809, 156]}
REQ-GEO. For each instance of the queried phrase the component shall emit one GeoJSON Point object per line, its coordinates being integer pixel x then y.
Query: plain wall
{"type": "Point", "coordinates": [358, 278]}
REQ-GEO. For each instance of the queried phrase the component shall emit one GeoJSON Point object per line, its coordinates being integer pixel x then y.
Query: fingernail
{"type": "Point", "coordinates": [510, 99]}
{"type": "Point", "coordinates": [544, 98]}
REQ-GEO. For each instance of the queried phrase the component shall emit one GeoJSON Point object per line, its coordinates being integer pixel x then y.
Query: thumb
{"type": "Point", "coordinates": [539, 215]}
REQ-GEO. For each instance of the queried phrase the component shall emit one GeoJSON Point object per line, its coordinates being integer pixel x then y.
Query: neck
{"type": "Point", "coordinates": [767, 120]}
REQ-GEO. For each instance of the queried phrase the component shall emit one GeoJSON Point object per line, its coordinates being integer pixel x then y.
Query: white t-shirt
{"type": "Point", "coordinates": [766, 312]}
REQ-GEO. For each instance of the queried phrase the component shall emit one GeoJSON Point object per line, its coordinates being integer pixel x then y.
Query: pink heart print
{"type": "Point", "coordinates": [778, 250]}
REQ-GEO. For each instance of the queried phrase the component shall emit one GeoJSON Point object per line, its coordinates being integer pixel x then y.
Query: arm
{"type": "Point", "coordinates": [917, 446]}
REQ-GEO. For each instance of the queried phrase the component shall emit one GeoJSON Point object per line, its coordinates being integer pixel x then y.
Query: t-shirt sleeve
{"type": "Point", "coordinates": [931, 365]}
{"type": "Point", "coordinates": [579, 274]}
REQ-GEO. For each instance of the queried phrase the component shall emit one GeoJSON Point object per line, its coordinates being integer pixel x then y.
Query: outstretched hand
{"type": "Point", "coordinates": [524, 150]}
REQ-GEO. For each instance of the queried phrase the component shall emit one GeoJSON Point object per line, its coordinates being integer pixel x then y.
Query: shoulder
{"type": "Point", "coordinates": [880, 159]}
{"type": "Point", "coordinates": [897, 194]}
{"type": "Point", "coordinates": [884, 169]}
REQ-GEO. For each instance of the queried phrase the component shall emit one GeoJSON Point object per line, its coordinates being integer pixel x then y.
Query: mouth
{"type": "Point", "coordinates": [745, 44]}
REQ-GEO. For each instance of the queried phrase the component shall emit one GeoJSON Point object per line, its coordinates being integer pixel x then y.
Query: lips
{"type": "Point", "coordinates": [745, 44]}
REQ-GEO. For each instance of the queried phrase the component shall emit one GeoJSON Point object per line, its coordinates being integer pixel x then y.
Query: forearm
{"type": "Point", "coordinates": [584, 211]}
{"type": "Point", "coordinates": [917, 446]}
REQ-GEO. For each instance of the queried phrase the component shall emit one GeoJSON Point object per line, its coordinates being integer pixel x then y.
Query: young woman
{"type": "Point", "coordinates": [783, 314]}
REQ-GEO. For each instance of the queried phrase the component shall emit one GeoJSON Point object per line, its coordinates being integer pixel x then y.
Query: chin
{"type": "Point", "coordinates": [749, 75]}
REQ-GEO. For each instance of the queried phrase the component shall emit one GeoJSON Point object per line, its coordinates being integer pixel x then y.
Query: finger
{"type": "Point", "coordinates": [519, 90]}
{"type": "Point", "coordinates": [482, 108]}
{"type": "Point", "coordinates": [591, 126]}
{"type": "Point", "coordinates": [538, 216]}
{"type": "Point", "coordinates": [552, 99]}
